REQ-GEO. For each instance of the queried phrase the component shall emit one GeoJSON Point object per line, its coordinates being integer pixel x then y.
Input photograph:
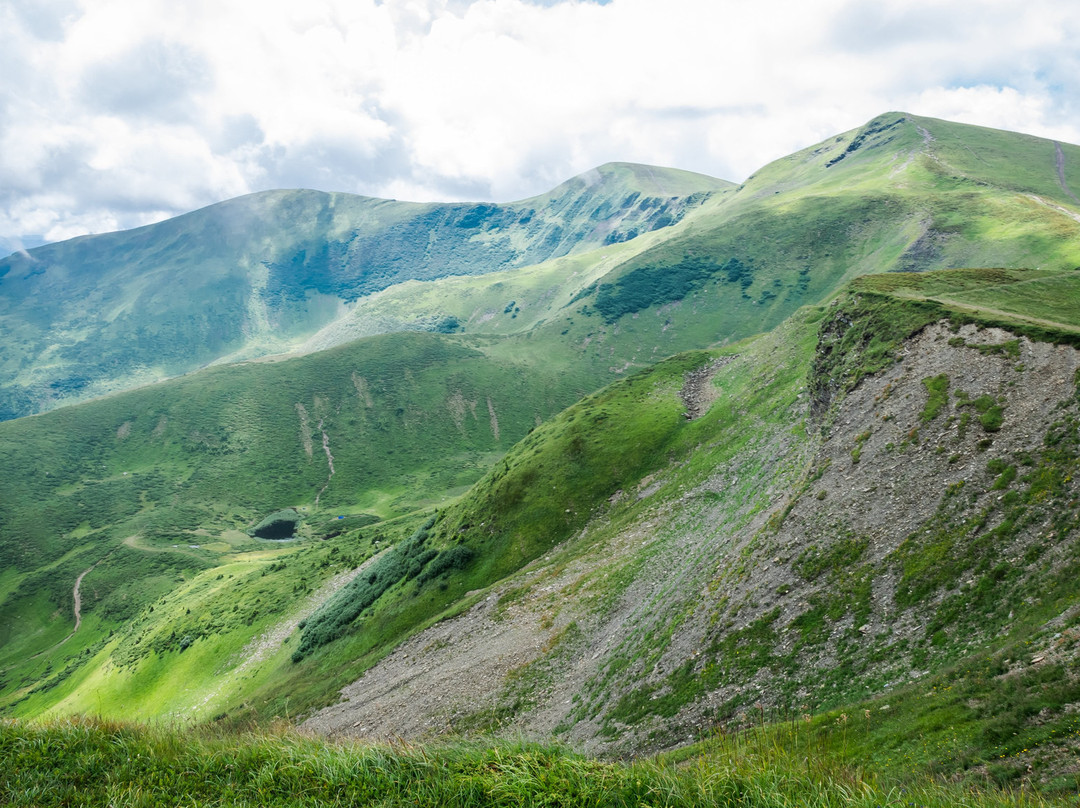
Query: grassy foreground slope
{"type": "Point", "coordinates": [106, 764]}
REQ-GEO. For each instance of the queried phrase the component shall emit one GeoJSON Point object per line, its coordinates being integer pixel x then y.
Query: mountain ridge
{"type": "Point", "coordinates": [266, 273]}
{"type": "Point", "coordinates": [259, 274]}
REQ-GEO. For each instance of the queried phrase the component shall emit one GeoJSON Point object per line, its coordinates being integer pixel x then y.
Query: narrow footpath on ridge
{"type": "Point", "coordinates": [1060, 155]}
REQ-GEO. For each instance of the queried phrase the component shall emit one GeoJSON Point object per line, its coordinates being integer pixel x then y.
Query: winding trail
{"type": "Point", "coordinates": [77, 595]}
{"type": "Point", "coordinates": [978, 309]}
{"type": "Point", "coordinates": [1052, 206]}
{"type": "Point", "coordinates": [1060, 159]}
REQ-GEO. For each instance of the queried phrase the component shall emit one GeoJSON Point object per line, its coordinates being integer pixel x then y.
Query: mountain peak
{"type": "Point", "coordinates": [612, 179]}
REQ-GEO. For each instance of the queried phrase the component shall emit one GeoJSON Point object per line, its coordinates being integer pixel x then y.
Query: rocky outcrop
{"type": "Point", "coordinates": [812, 570]}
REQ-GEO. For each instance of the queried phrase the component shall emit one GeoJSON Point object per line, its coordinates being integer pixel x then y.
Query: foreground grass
{"type": "Point", "coordinates": [90, 762]}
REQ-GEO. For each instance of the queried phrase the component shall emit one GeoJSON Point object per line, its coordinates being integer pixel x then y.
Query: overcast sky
{"type": "Point", "coordinates": [115, 113]}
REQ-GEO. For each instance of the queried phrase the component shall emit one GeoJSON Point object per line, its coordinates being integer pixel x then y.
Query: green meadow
{"type": "Point", "coordinates": [479, 431]}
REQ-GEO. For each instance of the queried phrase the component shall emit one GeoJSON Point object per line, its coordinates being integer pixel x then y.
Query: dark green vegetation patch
{"type": "Point", "coordinates": [655, 285]}
{"type": "Point", "coordinates": [403, 562]}
{"type": "Point", "coordinates": [278, 525]}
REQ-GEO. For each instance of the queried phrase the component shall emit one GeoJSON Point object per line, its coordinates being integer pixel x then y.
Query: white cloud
{"type": "Point", "coordinates": [113, 113]}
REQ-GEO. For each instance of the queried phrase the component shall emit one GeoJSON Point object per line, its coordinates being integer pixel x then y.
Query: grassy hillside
{"type": "Point", "coordinates": [901, 193]}
{"type": "Point", "coordinates": [871, 506]}
{"type": "Point", "coordinates": [102, 763]}
{"type": "Point", "coordinates": [153, 493]}
{"type": "Point", "coordinates": [663, 547]}
{"type": "Point", "coordinates": [767, 550]}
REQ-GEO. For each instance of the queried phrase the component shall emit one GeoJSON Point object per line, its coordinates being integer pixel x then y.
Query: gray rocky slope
{"type": "Point", "coordinates": [840, 559]}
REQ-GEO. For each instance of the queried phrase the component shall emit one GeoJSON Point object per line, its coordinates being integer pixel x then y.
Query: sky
{"type": "Point", "coordinates": [118, 113]}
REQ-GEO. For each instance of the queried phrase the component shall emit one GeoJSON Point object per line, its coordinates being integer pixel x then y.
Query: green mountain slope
{"type": "Point", "coordinates": [142, 490]}
{"type": "Point", "coordinates": [858, 485]}
{"type": "Point", "coordinates": [258, 274]}
{"type": "Point", "coordinates": [901, 193]}
{"type": "Point", "coordinates": [859, 500]}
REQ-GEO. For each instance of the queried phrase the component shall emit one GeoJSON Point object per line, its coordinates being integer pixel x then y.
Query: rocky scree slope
{"type": "Point", "coordinates": [924, 513]}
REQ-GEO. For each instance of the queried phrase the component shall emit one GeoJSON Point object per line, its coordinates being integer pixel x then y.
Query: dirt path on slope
{"type": "Point", "coordinates": [77, 595]}
{"type": "Point", "coordinates": [1060, 160]}
{"type": "Point", "coordinates": [976, 309]}
{"type": "Point", "coordinates": [1052, 206]}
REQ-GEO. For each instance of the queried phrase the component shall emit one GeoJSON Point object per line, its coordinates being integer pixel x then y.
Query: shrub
{"type": "Point", "coordinates": [333, 618]}
{"type": "Point", "coordinates": [991, 413]}
{"type": "Point", "coordinates": [456, 558]}
{"type": "Point", "coordinates": [937, 388]}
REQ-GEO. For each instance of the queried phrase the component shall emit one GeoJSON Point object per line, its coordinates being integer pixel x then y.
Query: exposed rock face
{"type": "Point", "coordinates": [807, 571]}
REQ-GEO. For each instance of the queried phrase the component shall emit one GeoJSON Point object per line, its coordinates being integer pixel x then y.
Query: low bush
{"type": "Point", "coordinates": [334, 617]}
{"type": "Point", "coordinates": [456, 558]}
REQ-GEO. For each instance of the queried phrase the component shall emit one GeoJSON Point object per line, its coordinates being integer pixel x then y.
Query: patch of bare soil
{"type": "Point", "coordinates": [698, 392]}
{"type": "Point", "coordinates": [1059, 162]}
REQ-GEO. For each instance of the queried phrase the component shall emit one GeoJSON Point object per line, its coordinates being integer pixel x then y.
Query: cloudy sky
{"type": "Point", "coordinates": [115, 113]}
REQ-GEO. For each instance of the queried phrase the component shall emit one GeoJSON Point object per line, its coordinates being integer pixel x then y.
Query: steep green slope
{"type": "Point", "coordinates": [901, 193]}
{"type": "Point", "coordinates": [856, 501]}
{"type": "Point", "coordinates": [141, 491]}
{"type": "Point", "coordinates": [258, 274]}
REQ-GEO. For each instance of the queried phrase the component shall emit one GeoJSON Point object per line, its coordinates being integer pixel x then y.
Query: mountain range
{"type": "Point", "coordinates": [643, 458]}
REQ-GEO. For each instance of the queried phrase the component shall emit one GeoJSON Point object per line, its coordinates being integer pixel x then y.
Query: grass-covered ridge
{"type": "Point", "coordinates": [260, 274]}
